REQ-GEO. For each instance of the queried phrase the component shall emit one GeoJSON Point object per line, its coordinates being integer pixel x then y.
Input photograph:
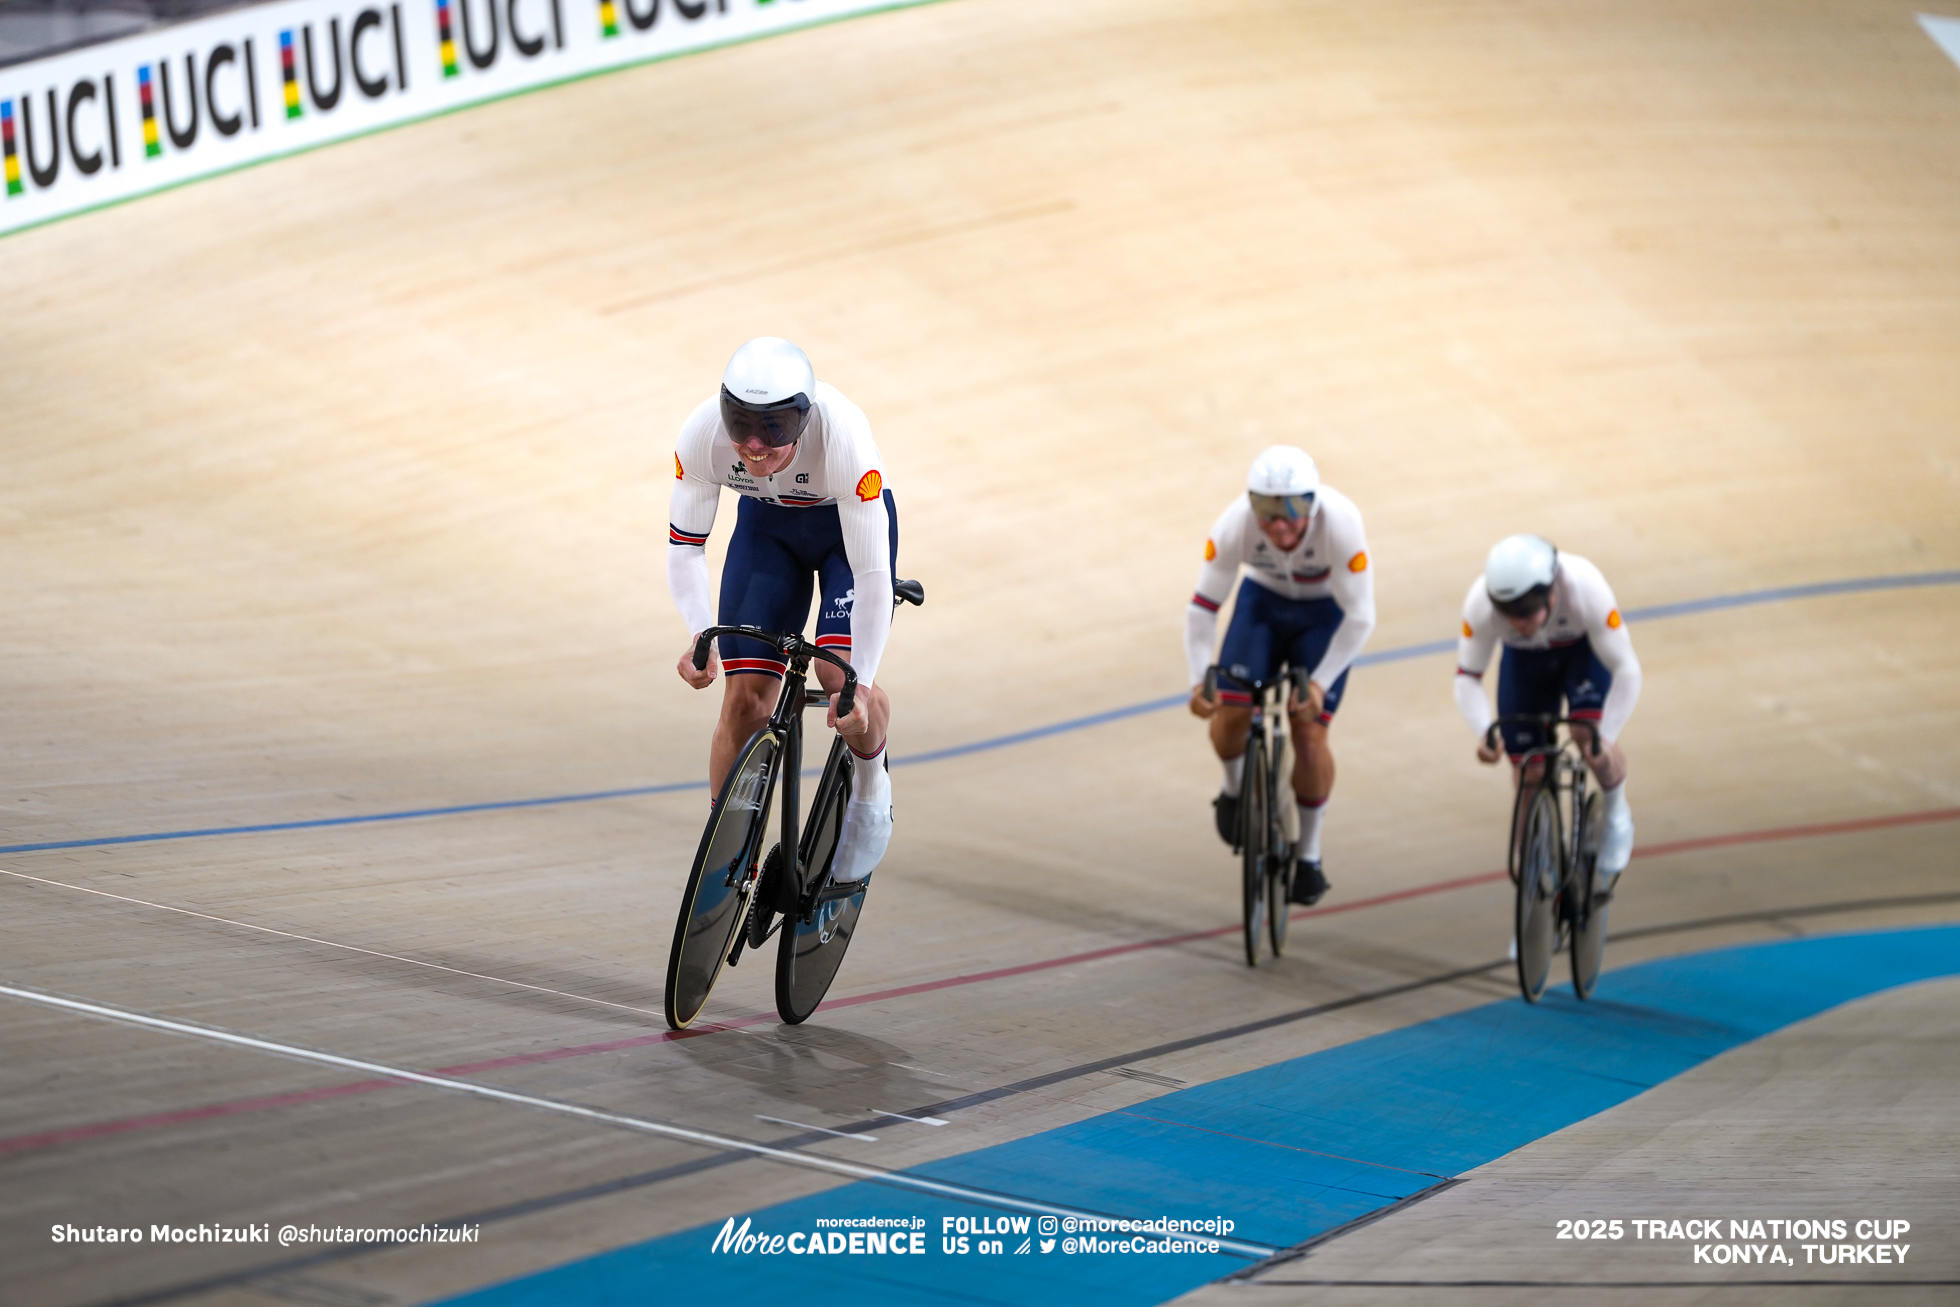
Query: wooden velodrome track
{"type": "Point", "coordinates": [336, 488]}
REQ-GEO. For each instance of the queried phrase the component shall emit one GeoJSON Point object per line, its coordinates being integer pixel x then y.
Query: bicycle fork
{"type": "Point", "coordinates": [790, 764]}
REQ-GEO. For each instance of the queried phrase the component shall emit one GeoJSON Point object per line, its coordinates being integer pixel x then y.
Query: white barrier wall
{"type": "Point", "coordinates": [147, 111]}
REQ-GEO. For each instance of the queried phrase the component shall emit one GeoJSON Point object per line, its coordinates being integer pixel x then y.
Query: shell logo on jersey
{"type": "Point", "coordinates": [678, 474]}
{"type": "Point", "coordinates": [870, 486]}
{"type": "Point", "coordinates": [1359, 563]}
{"type": "Point", "coordinates": [1613, 620]}
{"type": "Point", "coordinates": [1468, 634]}
{"type": "Point", "coordinates": [1211, 551]}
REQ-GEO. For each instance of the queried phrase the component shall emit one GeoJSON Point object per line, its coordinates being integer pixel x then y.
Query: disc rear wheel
{"type": "Point", "coordinates": [1257, 825]}
{"type": "Point", "coordinates": [715, 903]}
{"type": "Point", "coordinates": [814, 944]}
{"type": "Point", "coordinates": [1538, 889]}
{"type": "Point", "coordinates": [1589, 916]}
{"type": "Point", "coordinates": [1279, 881]}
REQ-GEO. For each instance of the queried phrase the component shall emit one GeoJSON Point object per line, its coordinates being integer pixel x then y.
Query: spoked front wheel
{"type": "Point", "coordinates": [1258, 844]}
{"type": "Point", "coordinates": [715, 904]}
{"type": "Point", "coordinates": [1589, 916]}
{"type": "Point", "coordinates": [1538, 891]}
{"type": "Point", "coordinates": [814, 943]}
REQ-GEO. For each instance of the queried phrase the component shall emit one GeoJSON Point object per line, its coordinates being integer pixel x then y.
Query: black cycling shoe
{"type": "Point", "coordinates": [1226, 809]}
{"type": "Point", "coordinates": [1308, 883]}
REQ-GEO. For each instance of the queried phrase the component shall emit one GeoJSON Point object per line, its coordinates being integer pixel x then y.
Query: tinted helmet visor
{"type": "Point", "coordinates": [775, 425]}
{"type": "Point", "coordinates": [1273, 506]}
{"type": "Point", "coordinates": [1528, 604]}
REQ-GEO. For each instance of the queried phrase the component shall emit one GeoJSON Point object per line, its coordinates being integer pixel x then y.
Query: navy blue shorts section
{"type": "Point", "coordinates": [1268, 629]}
{"type": "Point", "coordinates": [1535, 680]}
{"type": "Point", "coordinates": [777, 559]}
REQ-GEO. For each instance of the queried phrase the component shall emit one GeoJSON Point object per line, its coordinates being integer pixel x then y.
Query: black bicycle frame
{"type": "Point", "coordinates": [787, 721]}
{"type": "Point", "coordinates": [1552, 753]}
{"type": "Point", "coordinates": [1260, 691]}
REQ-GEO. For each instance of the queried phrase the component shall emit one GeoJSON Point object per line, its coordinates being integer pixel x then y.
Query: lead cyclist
{"type": "Point", "coordinates": [812, 510]}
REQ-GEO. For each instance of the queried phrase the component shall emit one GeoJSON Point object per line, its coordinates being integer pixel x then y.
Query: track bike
{"type": "Point", "coordinates": [1557, 821]}
{"type": "Point", "coordinates": [734, 891]}
{"type": "Point", "coordinates": [1267, 818]}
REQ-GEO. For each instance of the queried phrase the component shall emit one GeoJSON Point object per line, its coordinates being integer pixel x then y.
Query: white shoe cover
{"type": "Point", "coordinates": [861, 845]}
{"type": "Point", "coordinates": [1616, 845]}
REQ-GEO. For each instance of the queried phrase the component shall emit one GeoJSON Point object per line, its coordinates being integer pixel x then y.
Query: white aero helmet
{"type": "Point", "coordinates": [1283, 482]}
{"type": "Point", "coordinates": [766, 392]}
{"type": "Point", "coordinates": [1518, 574]}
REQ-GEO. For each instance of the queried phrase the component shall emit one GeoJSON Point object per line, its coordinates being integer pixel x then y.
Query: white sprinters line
{"type": "Point", "coordinates": [701, 1138]}
{"type": "Point", "coordinates": [823, 1130]}
{"type": "Point", "coordinates": [922, 1120]}
{"type": "Point", "coordinates": [329, 943]}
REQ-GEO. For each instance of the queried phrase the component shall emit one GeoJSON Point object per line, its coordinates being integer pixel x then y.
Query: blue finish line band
{"type": "Point", "coordinates": [1782, 594]}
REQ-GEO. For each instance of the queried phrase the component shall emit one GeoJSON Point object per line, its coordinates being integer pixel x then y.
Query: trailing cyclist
{"type": "Point", "coordinates": [1563, 637]}
{"type": "Point", "coordinates": [1308, 600]}
{"type": "Point", "coordinates": [812, 507]}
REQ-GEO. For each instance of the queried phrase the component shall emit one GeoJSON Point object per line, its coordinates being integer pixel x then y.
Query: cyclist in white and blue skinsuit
{"type": "Point", "coordinates": [1563, 638]}
{"type": "Point", "coordinates": [812, 508]}
{"type": "Point", "coordinates": [1308, 599]}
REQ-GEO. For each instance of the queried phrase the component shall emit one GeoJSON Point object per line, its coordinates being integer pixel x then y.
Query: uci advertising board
{"type": "Point", "coordinates": [166, 106]}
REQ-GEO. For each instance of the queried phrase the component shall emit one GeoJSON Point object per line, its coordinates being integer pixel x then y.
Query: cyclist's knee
{"type": "Point", "coordinates": [1228, 727]}
{"type": "Point", "coordinates": [746, 697]}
